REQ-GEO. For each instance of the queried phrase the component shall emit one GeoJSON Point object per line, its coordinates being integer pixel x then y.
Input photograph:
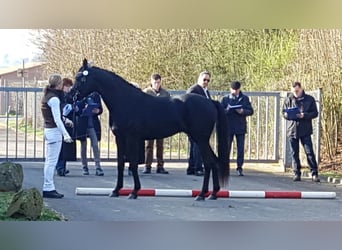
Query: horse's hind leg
{"type": "Point", "coordinates": [208, 161]}
{"type": "Point", "coordinates": [205, 186]}
{"type": "Point", "coordinates": [137, 186]}
{"type": "Point", "coordinates": [216, 186]}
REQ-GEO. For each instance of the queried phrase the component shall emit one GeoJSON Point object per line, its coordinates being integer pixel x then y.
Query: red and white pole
{"type": "Point", "coordinates": [220, 194]}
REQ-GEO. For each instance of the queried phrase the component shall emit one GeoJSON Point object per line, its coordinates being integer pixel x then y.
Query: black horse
{"type": "Point", "coordinates": [132, 116]}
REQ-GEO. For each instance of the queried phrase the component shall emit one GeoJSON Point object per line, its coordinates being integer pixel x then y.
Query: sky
{"type": "Point", "coordinates": [15, 46]}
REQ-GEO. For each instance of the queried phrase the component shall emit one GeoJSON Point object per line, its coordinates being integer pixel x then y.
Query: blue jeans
{"type": "Point", "coordinates": [310, 155]}
{"type": "Point", "coordinates": [240, 142]}
{"type": "Point", "coordinates": [195, 162]}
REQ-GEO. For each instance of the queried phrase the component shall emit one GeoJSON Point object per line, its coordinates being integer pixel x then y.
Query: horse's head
{"type": "Point", "coordinates": [84, 80]}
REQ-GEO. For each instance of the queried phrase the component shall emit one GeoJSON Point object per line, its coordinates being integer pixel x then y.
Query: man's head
{"type": "Point", "coordinates": [204, 79]}
{"type": "Point", "coordinates": [235, 88]}
{"type": "Point", "coordinates": [156, 81]}
{"type": "Point", "coordinates": [297, 89]}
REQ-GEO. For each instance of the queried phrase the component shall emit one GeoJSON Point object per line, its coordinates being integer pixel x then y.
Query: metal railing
{"type": "Point", "coordinates": [21, 132]}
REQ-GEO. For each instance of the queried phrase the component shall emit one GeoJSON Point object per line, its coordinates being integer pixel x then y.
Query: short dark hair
{"type": "Point", "coordinates": [296, 84]}
{"type": "Point", "coordinates": [155, 76]}
{"type": "Point", "coordinates": [235, 85]}
{"type": "Point", "coordinates": [67, 82]}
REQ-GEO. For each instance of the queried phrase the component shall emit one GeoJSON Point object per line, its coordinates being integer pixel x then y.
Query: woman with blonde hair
{"type": "Point", "coordinates": [54, 132]}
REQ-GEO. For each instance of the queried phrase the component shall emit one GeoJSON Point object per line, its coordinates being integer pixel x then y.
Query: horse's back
{"type": "Point", "coordinates": [199, 113]}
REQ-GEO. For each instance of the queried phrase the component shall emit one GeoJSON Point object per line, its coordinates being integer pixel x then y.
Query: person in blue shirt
{"type": "Point", "coordinates": [238, 107]}
{"type": "Point", "coordinates": [88, 125]}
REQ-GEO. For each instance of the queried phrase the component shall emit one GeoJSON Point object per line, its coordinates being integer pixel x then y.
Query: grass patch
{"type": "Point", "coordinates": [5, 200]}
{"type": "Point", "coordinates": [331, 174]}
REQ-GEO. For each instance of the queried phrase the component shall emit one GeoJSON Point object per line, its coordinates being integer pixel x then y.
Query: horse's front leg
{"type": "Point", "coordinates": [119, 181]}
{"type": "Point", "coordinates": [121, 166]}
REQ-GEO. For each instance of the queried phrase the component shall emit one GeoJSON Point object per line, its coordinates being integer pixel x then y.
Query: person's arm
{"type": "Point", "coordinates": [312, 111]}
{"type": "Point", "coordinates": [54, 104]}
{"type": "Point", "coordinates": [247, 108]}
{"type": "Point", "coordinates": [285, 107]}
{"type": "Point", "coordinates": [99, 110]}
{"type": "Point", "coordinates": [224, 104]}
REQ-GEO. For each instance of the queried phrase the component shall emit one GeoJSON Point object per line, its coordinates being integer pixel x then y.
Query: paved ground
{"type": "Point", "coordinates": [258, 177]}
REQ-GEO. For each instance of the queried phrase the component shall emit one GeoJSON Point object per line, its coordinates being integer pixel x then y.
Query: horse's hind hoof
{"type": "Point", "coordinates": [132, 196]}
{"type": "Point", "coordinates": [114, 194]}
{"type": "Point", "coordinates": [199, 198]}
{"type": "Point", "coordinates": [212, 197]}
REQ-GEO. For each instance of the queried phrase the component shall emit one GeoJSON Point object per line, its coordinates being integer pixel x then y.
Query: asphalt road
{"type": "Point", "coordinates": [259, 178]}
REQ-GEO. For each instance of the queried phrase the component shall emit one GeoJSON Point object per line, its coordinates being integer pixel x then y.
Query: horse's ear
{"type": "Point", "coordinates": [85, 63]}
{"type": "Point", "coordinates": [90, 64]}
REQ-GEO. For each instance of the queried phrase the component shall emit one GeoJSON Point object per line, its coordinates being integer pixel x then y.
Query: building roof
{"type": "Point", "coordinates": [12, 69]}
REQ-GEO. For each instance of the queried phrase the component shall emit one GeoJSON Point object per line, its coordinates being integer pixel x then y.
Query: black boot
{"type": "Point", "coordinates": [147, 170]}
{"type": "Point", "coordinates": [161, 170]}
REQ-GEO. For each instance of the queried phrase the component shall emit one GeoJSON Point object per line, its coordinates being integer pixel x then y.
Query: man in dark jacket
{"type": "Point", "coordinates": [195, 163]}
{"type": "Point", "coordinates": [238, 107]}
{"type": "Point", "coordinates": [299, 128]}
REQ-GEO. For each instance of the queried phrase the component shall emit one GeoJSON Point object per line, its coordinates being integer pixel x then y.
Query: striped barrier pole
{"type": "Point", "coordinates": [220, 194]}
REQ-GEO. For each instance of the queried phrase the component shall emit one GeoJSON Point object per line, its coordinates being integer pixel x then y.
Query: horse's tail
{"type": "Point", "coordinates": [222, 145]}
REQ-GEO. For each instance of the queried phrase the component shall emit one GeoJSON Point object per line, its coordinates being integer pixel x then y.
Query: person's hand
{"type": "Point", "coordinates": [68, 123]}
{"type": "Point", "coordinates": [240, 111]}
{"type": "Point", "coordinates": [68, 139]}
{"type": "Point", "coordinates": [300, 115]}
{"type": "Point", "coordinates": [96, 110]}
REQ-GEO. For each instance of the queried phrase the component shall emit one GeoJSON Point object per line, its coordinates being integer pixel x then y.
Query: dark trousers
{"type": "Point", "coordinates": [149, 152]}
{"type": "Point", "coordinates": [240, 142]}
{"type": "Point", "coordinates": [61, 163]}
{"type": "Point", "coordinates": [60, 166]}
{"type": "Point", "coordinates": [310, 155]}
{"type": "Point", "coordinates": [195, 162]}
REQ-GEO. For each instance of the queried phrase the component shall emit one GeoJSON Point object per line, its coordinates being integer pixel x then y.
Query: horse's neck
{"type": "Point", "coordinates": [119, 99]}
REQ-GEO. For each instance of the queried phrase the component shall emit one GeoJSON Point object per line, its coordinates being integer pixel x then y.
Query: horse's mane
{"type": "Point", "coordinates": [118, 78]}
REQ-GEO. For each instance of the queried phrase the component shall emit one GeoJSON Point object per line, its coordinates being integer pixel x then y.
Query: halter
{"type": "Point", "coordinates": [83, 79]}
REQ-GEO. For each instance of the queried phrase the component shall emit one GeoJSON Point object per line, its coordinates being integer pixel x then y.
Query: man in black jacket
{"type": "Point", "coordinates": [195, 163]}
{"type": "Point", "coordinates": [299, 128]}
{"type": "Point", "coordinates": [238, 107]}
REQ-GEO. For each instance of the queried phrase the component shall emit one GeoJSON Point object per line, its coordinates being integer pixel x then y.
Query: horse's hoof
{"type": "Point", "coordinates": [114, 194]}
{"type": "Point", "coordinates": [199, 198]}
{"type": "Point", "coordinates": [132, 196]}
{"type": "Point", "coordinates": [212, 197]}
